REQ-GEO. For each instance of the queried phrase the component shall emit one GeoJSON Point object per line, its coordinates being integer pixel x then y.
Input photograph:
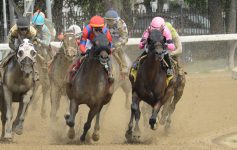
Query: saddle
{"type": "Point", "coordinates": [134, 70]}
{"type": "Point", "coordinates": [75, 67]}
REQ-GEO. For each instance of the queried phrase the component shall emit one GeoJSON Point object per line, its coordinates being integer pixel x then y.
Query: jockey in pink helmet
{"type": "Point", "coordinates": [158, 23]}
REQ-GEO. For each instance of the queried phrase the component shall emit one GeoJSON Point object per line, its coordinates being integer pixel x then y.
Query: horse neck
{"type": "Point", "coordinates": [152, 65]}
{"type": "Point", "coordinates": [15, 69]}
{"type": "Point", "coordinates": [91, 71]}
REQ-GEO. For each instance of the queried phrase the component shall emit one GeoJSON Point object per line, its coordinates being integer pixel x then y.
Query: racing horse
{"type": "Point", "coordinates": [90, 86]}
{"type": "Point", "coordinates": [18, 86]}
{"type": "Point", "coordinates": [57, 75]}
{"type": "Point", "coordinates": [150, 85]}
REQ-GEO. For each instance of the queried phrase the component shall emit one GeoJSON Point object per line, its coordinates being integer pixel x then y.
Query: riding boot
{"type": "Point", "coordinates": [167, 60]}
{"type": "Point", "coordinates": [108, 68]}
{"type": "Point", "coordinates": [122, 61]}
{"type": "Point", "coordinates": [1, 74]}
{"type": "Point", "coordinates": [75, 66]}
{"type": "Point", "coordinates": [137, 61]}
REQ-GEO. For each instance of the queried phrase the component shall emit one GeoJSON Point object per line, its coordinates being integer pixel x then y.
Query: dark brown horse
{"type": "Point", "coordinates": [150, 85]}
{"type": "Point", "coordinates": [91, 87]}
{"type": "Point", "coordinates": [18, 86]}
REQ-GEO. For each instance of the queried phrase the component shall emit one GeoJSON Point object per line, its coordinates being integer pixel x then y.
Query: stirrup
{"type": "Point", "coordinates": [169, 72]}
{"type": "Point", "coordinates": [110, 77]}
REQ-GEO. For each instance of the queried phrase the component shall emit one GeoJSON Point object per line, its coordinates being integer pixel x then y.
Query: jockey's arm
{"type": "Point", "coordinates": [83, 40]}
{"type": "Point", "coordinates": [144, 39]}
{"type": "Point", "coordinates": [109, 37]}
{"type": "Point", "coordinates": [46, 36]}
{"type": "Point", "coordinates": [178, 45]}
{"type": "Point", "coordinates": [169, 41]}
{"type": "Point", "coordinates": [12, 36]}
{"type": "Point", "coordinates": [123, 32]}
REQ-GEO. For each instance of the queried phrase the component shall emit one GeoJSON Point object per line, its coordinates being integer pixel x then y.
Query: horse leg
{"type": "Point", "coordinates": [96, 135]}
{"type": "Point", "coordinates": [45, 93]}
{"type": "Point", "coordinates": [90, 117]}
{"type": "Point", "coordinates": [178, 92]}
{"type": "Point", "coordinates": [8, 106]}
{"type": "Point", "coordinates": [170, 111]}
{"type": "Point", "coordinates": [26, 100]}
{"type": "Point", "coordinates": [70, 120]}
{"type": "Point", "coordinates": [126, 87]}
{"type": "Point", "coordinates": [35, 97]}
{"type": "Point", "coordinates": [3, 119]}
{"type": "Point", "coordinates": [167, 101]}
{"type": "Point", "coordinates": [134, 108]}
{"type": "Point", "coordinates": [154, 116]}
{"type": "Point", "coordinates": [16, 121]}
{"type": "Point", "coordinates": [137, 132]}
{"type": "Point", "coordinates": [67, 109]}
{"type": "Point", "coordinates": [55, 100]}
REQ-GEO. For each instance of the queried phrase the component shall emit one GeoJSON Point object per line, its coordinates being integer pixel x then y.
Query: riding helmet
{"type": "Point", "coordinates": [23, 22]}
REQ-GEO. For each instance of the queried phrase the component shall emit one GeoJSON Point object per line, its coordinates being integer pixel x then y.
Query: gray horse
{"type": "Point", "coordinates": [57, 75]}
{"type": "Point", "coordinates": [90, 86]}
{"type": "Point", "coordinates": [18, 86]}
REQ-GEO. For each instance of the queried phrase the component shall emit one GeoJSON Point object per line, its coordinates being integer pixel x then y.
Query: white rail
{"type": "Point", "coordinates": [184, 39]}
{"type": "Point", "coordinates": [135, 41]}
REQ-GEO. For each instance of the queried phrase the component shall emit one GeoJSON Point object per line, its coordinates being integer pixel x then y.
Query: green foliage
{"type": "Point", "coordinates": [198, 4]}
{"type": "Point", "coordinates": [89, 7]}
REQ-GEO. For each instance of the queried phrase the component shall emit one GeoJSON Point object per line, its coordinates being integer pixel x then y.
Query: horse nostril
{"type": "Point", "coordinates": [32, 53]}
{"type": "Point", "coordinates": [20, 53]}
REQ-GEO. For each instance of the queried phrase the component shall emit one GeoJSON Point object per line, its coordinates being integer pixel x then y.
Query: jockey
{"type": "Point", "coordinates": [119, 32]}
{"type": "Point", "coordinates": [38, 20]}
{"type": "Point", "coordinates": [158, 23]}
{"type": "Point", "coordinates": [43, 33]}
{"type": "Point", "coordinates": [76, 30]}
{"type": "Point", "coordinates": [177, 42]}
{"type": "Point", "coordinates": [95, 27]}
{"type": "Point", "coordinates": [18, 32]}
{"type": "Point", "coordinates": [22, 29]}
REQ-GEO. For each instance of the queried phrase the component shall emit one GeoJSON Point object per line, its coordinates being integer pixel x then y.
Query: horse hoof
{"type": "Point", "coordinates": [95, 137]}
{"type": "Point", "coordinates": [18, 130]}
{"type": "Point", "coordinates": [128, 136]}
{"type": "Point", "coordinates": [8, 136]}
{"type": "Point", "coordinates": [162, 121]}
{"type": "Point", "coordinates": [83, 138]}
{"type": "Point", "coordinates": [71, 133]}
{"type": "Point", "coordinates": [66, 116]}
{"type": "Point", "coordinates": [69, 122]}
{"type": "Point", "coordinates": [153, 124]}
{"type": "Point", "coordinates": [136, 136]}
{"type": "Point", "coordinates": [167, 128]}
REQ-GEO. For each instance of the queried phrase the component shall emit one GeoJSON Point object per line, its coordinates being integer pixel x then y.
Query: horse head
{"type": "Point", "coordinates": [26, 56]}
{"type": "Point", "coordinates": [155, 41]}
{"type": "Point", "coordinates": [100, 47]}
{"type": "Point", "coordinates": [70, 44]}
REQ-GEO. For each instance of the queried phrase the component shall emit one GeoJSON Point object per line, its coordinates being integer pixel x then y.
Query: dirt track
{"type": "Point", "coordinates": [206, 112]}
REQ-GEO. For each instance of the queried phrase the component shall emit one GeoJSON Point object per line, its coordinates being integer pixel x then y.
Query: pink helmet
{"type": "Point", "coordinates": [157, 23]}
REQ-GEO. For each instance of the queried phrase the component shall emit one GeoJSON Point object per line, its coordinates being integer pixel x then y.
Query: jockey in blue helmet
{"type": "Point", "coordinates": [43, 32]}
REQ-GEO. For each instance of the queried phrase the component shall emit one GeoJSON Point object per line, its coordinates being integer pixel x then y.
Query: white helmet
{"type": "Point", "coordinates": [76, 30]}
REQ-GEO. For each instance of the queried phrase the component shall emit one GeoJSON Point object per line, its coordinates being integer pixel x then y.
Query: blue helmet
{"type": "Point", "coordinates": [38, 19]}
{"type": "Point", "coordinates": [111, 14]}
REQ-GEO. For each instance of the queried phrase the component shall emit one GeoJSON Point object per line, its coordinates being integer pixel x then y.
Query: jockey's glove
{"type": "Point", "coordinates": [83, 54]}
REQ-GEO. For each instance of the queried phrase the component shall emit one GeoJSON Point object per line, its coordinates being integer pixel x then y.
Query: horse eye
{"type": "Point", "coordinates": [20, 53]}
{"type": "Point", "coordinates": [32, 53]}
